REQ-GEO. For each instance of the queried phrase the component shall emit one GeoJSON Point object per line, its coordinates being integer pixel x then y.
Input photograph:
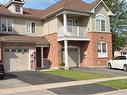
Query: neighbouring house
{"type": "Point", "coordinates": [122, 51]}
{"type": "Point", "coordinates": [70, 32]}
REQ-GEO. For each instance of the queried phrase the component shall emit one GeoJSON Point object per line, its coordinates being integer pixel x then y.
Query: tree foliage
{"type": "Point", "coordinates": [118, 41]}
{"type": "Point", "coordinates": [118, 22]}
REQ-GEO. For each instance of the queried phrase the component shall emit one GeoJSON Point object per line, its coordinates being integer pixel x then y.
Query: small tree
{"type": "Point", "coordinates": [118, 41]}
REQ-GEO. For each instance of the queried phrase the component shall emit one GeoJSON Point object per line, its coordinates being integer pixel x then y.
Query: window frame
{"type": "Point", "coordinates": [34, 27]}
{"type": "Point", "coordinates": [72, 22]}
{"type": "Point", "coordinates": [101, 18]}
{"type": "Point", "coordinates": [19, 7]}
{"type": "Point", "coordinates": [29, 29]}
{"type": "Point", "coordinates": [101, 53]}
{"type": "Point", "coordinates": [7, 25]}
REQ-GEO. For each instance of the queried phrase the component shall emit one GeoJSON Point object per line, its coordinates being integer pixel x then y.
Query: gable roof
{"type": "Point", "coordinates": [96, 3]}
{"type": "Point", "coordinates": [74, 5]}
{"type": "Point", "coordinates": [27, 13]}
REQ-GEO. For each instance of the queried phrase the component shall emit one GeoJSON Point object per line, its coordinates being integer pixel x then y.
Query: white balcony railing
{"type": "Point", "coordinates": [73, 31]}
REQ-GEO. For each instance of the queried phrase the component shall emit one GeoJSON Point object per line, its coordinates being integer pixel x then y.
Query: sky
{"type": "Point", "coordinates": [39, 4]}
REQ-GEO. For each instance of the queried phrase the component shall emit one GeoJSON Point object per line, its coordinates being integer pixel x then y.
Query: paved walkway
{"type": "Point", "coordinates": [55, 85]}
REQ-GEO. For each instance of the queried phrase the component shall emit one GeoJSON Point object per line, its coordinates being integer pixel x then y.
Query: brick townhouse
{"type": "Point", "coordinates": [70, 32]}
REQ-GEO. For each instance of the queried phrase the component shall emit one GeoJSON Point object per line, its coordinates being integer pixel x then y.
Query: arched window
{"type": "Point", "coordinates": [102, 49]}
{"type": "Point", "coordinates": [100, 23]}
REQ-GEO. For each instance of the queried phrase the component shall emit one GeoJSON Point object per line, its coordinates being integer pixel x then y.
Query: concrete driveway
{"type": "Point", "coordinates": [27, 78]}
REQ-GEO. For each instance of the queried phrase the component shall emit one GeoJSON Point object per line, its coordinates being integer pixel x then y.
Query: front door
{"type": "Point", "coordinates": [38, 56]}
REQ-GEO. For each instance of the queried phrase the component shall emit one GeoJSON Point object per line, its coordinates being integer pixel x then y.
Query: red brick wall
{"type": "Point", "coordinates": [54, 51]}
{"type": "Point", "coordinates": [92, 55]}
{"type": "Point", "coordinates": [90, 46]}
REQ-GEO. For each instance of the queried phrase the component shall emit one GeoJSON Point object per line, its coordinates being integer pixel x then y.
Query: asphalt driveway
{"type": "Point", "coordinates": [103, 70]}
{"type": "Point", "coordinates": [27, 78]}
{"type": "Point", "coordinates": [82, 90]}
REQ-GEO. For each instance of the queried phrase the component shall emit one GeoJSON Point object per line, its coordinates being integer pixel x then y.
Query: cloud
{"type": "Point", "coordinates": [3, 1]}
{"type": "Point", "coordinates": [39, 4]}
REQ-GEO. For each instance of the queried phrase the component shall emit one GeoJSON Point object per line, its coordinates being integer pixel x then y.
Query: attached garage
{"type": "Point", "coordinates": [19, 52]}
{"type": "Point", "coordinates": [73, 57]}
{"type": "Point", "coordinates": [16, 59]}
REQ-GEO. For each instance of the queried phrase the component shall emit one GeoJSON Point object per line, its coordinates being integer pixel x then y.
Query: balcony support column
{"type": "Point", "coordinates": [1, 54]}
{"type": "Point", "coordinates": [66, 54]}
{"type": "Point", "coordinates": [42, 58]}
{"type": "Point", "coordinates": [65, 23]}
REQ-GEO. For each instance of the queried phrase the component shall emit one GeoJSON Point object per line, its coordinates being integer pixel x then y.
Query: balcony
{"type": "Point", "coordinates": [72, 33]}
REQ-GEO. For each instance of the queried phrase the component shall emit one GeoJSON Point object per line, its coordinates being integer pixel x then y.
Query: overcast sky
{"type": "Point", "coordinates": [39, 4]}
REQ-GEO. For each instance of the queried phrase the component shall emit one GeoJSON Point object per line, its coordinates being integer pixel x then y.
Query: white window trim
{"type": "Point", "coordinates": [30, 31]}
{"type": "Point", "coordinates": [15, 9]}
{"type": "Point", "coordinates": [102, 54]}
{"type": "Point", "coordinates": [7, 25]}
{"type": "Point", "coordinates": [31, 27]}
{"type": "Point", "coordinates": [70, 20]}
{"type": "Point", "coordinates": [100, 23]}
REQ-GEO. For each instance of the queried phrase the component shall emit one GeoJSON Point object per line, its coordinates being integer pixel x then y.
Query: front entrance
{"type": "Point", "coordinates": [42, 58]}
{"type": "Point", "coordinates": [39, 57]}
{"type": "Point", "coordinates": [73, 58]}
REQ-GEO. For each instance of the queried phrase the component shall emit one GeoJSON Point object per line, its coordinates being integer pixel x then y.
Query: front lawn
{"type": "Point", "coordinates": [117, 84]}
{"type": "Point", "coordinates": [78, 75]}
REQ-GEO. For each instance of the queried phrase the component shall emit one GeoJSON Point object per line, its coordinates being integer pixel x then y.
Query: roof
{"type": "Point", "coordinates": [27, 13]}
{"type": "Point", "coordinates": [24, 39]}
{"type": "Point", "coordinates": [75, 5]}
{"type": "Point", "coordinates": [92, 5]}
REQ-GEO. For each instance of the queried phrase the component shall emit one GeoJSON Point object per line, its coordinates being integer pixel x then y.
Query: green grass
{"type": "Point", "coordinates": [78, 75]}
{"type": "Point", "coordinates": [117, 84]}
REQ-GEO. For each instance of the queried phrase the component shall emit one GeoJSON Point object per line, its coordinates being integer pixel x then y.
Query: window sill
{"type": "Point", "coordinates": [106, 57]}
{"type": "Point", "coordinates": [7, 32]}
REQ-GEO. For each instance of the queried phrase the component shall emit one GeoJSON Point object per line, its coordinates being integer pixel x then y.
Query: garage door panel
{"type": "Point", "coordinates": [16, 60]}
{"type": "Point", "coordinates": [73, 57]}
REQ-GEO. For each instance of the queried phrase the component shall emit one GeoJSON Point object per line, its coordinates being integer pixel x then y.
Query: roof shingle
{"type": "Point", "coordinates": [76, 5]}
{"type": "Point", "coordinates": [24, 39]}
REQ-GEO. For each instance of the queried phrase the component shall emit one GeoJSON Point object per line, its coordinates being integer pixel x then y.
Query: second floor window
{"type": "Point", "coordinates": [17, 8]}
{"type": "Point", "coordinates": [100, 23]}
{"type": "Point", "coordinates": [30, 27]}
{"type": "Point", "coordinates": [6, 25]}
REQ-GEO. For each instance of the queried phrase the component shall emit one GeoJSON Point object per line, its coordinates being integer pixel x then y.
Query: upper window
{"type": "Point", "coordinates": [70, 22]}
{"type": "Point", "coordinates": [30, 27]}
{"type": "Point", "coordinates": [17, 8]}
{"type": "Point", "coordinates": [6, 25]}
{"type": "Point", "coordinates": [100, 23]}
{"type": "Point", "coordinates": [102, 49]}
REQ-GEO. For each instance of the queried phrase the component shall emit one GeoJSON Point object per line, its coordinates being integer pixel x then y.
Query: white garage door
{"type": "Point", "coordinates": [16, 59]}
{"type": "Point", "coordinates": [73, 58]}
